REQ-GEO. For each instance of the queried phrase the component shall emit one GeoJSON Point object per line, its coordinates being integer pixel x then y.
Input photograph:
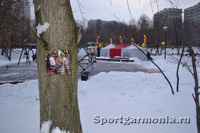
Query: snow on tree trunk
{"type": "Point", "coordinates": [58, 93]}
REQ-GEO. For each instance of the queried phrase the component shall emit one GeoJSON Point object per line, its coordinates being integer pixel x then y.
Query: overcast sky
{"type": "Point", "coordinates": [107, 10]}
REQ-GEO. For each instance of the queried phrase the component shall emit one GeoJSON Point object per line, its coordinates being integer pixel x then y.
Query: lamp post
{"type": "Point", "coordinates": [98, 48]}
{"type": "Point", "coordinates": [165, 29]}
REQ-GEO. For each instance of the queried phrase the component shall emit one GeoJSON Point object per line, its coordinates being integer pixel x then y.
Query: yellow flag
{"type": "Point", "coordinates": [110, 40]}
{"type": "Point", "coordinates": [120, 39]}
{"type": "Point", "coordinates": [143, 45]}
{"type": "Point", "coordinates": [162, 43]}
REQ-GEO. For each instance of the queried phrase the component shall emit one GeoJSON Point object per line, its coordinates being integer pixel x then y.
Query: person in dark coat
{"type": "Point", "coordinates": [149, 56]}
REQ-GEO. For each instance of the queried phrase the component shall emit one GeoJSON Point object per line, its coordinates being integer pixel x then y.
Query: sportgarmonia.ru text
{"type": "Point", "coordinates": [140, 120]}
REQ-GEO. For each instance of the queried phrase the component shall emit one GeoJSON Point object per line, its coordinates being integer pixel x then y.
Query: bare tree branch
{"type": "Point", "coordinates": [115, 16]}
{"type": "Point", "coordinates": [172, 3]}
{"type": "Point", "coordinates": [80, 6]}
{"type": "Point", "coordinates": [172, 90]}
{"type": "Point", "coordinates": [129, 10]}
{"type": "Point", "coordinates": [189, 69]}
{"type": "Point", "coordinates": [184, 65]}
{"type": "Point", "coordinates": [157, 5]}
{"type": "Point", "coordinates": [151, 5]}
{"type": "Point", "coordinates": [194, 98]}
{"type": "Point", "coordinates": [5, 7]}
{"type": "Point", "coordinates": [177, 3]}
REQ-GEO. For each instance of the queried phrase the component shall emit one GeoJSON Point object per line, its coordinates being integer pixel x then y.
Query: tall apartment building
{"type": "Point", "coordinates": [168, 16]}
{"type": "Point", "coordinates": [192, 24]}
{"type": "Point", "coordinates": [97, 24]}
{"type": "Point", "coordinates": [172, 18]}
{"type": "Point", "coordinates": [100, 28]}
{"type": "Point", "coordinates": [27, 9]}
{"type": "Point", "coordinates": [24, 8]}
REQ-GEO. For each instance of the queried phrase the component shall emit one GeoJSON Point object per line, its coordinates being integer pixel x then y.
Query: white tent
{"type": "Point", "coordinates": [105, 52]}
{"type": "Point", "coordinates": [133, 51]}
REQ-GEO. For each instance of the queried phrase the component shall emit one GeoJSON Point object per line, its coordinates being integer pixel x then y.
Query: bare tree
{"type": "Point", "coordinates": [196, 88]}
{"type": "Point", "coordinates": [177, 71]}
{"type": "Point", "coordinates": [143, 25]}
{"type": "Point", "coordinates": [9, 25]}
{"type": "Point", "coordinates": [194, 73]}
{"type": "Point", "coordinates": [176, 33]}
{"type": "Point", "coordinates": [5, 8]}
{"type": "Point", "coordinates": [13, 26]}
{"type": "Point", "coordinates": [158, 25]}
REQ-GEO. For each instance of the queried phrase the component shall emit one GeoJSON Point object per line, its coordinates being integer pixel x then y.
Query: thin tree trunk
{"type": "Point", "coordinates": [157, 49]}
{"type": "Point", "coordinates": [6, 52]}
{"type": "Point", "coordinates": [58, 93]}
{"type": "Point", "coordinates": [10, 52]}
{"type": "Point", "coordinates": [2, 51]}
{"type": "Point", "coordinates": [177, 74]}
{"type": "Point", "coordinates": [196, 87]}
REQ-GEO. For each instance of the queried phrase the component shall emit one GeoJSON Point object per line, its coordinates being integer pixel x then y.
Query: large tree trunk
{"type": "Point", "coordinates": [58, 93]}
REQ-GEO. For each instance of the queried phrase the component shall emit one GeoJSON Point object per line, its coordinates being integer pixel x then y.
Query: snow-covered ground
{"type": "Point", "coordinates": [114, 102]}
{"type": "Point", "coordinates": [15, 57]}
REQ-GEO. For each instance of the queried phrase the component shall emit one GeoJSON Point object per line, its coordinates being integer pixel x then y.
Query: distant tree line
{"type": "Point", "coordinates": [152, 30]}
{"type": "Point", "coordinates": [15, 29]}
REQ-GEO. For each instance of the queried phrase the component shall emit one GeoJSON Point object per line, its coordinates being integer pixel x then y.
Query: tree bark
{"type": "Point", "coordinates": [58, 93]}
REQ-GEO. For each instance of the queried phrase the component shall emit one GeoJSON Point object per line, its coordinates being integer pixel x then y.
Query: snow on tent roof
{"type": "Point", "coordinates": [133, 47]}
{"type": "Point", "coordinates": [109, 46]}
{"type": "Point", "coordinates": [133, 51]}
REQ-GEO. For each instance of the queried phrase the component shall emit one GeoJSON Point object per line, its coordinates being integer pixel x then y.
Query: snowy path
{"type": "Point", "coordinates": [25, 72]}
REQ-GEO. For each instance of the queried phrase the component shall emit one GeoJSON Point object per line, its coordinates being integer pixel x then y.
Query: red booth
{"type": "Point", "coordinates": [116, 51]}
